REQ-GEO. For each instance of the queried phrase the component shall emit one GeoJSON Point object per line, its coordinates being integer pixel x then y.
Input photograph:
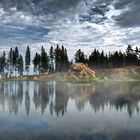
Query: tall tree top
{"type": "Point", "coordinates": [28, 56]}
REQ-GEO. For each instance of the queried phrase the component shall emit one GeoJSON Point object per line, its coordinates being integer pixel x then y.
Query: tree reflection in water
{"type": "Point", "coordinates": [55, 96]}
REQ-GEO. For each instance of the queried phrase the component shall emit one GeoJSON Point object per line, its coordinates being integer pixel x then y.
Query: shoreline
{"type": "Point", "coordinates": [102, 75]}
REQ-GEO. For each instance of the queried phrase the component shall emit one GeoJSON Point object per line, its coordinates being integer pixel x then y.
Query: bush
{"type": "Point", "coordinates": [96, 79]}
{"type": "Point", "coordinates": [72, 79]}
{"type": "Point", "coordinates": [105, 78]}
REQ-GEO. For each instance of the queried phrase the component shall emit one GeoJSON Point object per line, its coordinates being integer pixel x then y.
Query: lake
{"type": "Point", "coordinates": [32, 110]}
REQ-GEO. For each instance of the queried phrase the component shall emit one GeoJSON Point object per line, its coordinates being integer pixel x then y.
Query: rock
{"type": "Point", "coordinates": [80, 72]}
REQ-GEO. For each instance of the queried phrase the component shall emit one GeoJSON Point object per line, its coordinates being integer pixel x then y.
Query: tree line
{"type": "Point", "coordinates": [14, 63]}
{"type": "Point", "coordinates": [98, 60]}
{"type": "Point", "coordinates": [56, 60]}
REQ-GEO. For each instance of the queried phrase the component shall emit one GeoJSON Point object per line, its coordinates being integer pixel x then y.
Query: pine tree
{"type": "Point", "coordinates": [2, 64]}
{"type": "Point", "coordinates": [129, 49]}
{"type": "Point", "coordinates": [57, 58]}
{"type": "Point", "coordinates": [10, 61]}
{"type": "Point", "coordinates": [66, 64]}
{"type": "Point", "coordinates": [27, 60]}
{"type": "Point", "coordinates": [137, 52]}
{"type": "Point", "coordinates": [43, 61]}
{"type": "Point", "coordinates": [80, 57]}
{"type": "Point", "coordinates": [51, 56]}
{"type": "Point", "coordinates": [102, 60]}
{"type": "Point", "coordinates": [20, 65]}
{"type": "Point", "coordinates": [15, 59]}
{"type": "Point", "coordinates": [62, 58]}
{"type": "Point", "coordinates": [36, 62]}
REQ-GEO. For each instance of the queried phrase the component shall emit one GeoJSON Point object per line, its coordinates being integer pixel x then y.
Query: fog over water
{"type": "Point", "coordinates": [51, 110]}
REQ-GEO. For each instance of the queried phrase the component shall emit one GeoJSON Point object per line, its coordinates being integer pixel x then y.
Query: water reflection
{"type": "Point", "coordinates": [55, 97]}
{"type": "Point", "coordinates": [56, 111]}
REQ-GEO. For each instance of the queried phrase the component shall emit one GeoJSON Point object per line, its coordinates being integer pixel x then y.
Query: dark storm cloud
{"type": "Point", "coordinates": [95, 14]}
{"type": "Point", "coordinates": [130, 17]}
{"type": "Point", "coordinates": [39, 6]}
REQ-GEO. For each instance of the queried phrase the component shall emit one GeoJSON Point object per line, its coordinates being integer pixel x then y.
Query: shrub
{"type": "Point", "coordinates": [105, 78]}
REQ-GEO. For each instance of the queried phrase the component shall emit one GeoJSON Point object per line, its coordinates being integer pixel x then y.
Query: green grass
{"type": "Point", "coordinates": [75, 79]}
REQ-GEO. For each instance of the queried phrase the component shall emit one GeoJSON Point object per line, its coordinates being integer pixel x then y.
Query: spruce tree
{"type": "Point", "coordinates": [2, 64]}
{"type": "Point", "coordinates": [43, 61]}
{"type": "Point", "coordinates": [51, 56]}
{"type": "Point", "coordinates": [10, 61]}
{"type": "Point", "coordinates": [20, 65]}
{"type": "Point", "coordinates": [80, 57]}
{"type": "Point", "coordinates": [15, 59]}
{"type": "Point", "coordinates": [57, 58]}
{"type": "Point", "coordinates": [27, 59]}
{"type": "Point", "coordinates": [66, 63]}
{"type": "Point", "coordinates": [36, 63]}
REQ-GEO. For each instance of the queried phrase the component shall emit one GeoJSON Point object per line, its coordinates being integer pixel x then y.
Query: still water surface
{"type": "Point", "coordinates": [63, 111]}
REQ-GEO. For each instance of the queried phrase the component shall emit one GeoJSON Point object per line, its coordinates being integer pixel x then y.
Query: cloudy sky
{"type": "Point", "coordinates": [87, 24]}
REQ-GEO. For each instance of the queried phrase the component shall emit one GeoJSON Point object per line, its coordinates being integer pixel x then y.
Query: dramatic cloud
{"type": "Point", "coordinates": [53, 9]}
{"type": "Point", "coordinates": [130, 11]}
{"type": "Point", "coordinates": [85, 24]}
{"type": "Point", "coordinates": [130, 16]}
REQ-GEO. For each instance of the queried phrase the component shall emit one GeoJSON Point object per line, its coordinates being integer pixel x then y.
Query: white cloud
{"type": "Point", "coordinates": [20, 28]}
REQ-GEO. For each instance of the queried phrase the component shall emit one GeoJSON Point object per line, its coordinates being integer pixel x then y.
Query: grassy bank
{"type": "Point", "coordinates": [120, 74]}
{"type": "Point", "coordinates": [114, 74]}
